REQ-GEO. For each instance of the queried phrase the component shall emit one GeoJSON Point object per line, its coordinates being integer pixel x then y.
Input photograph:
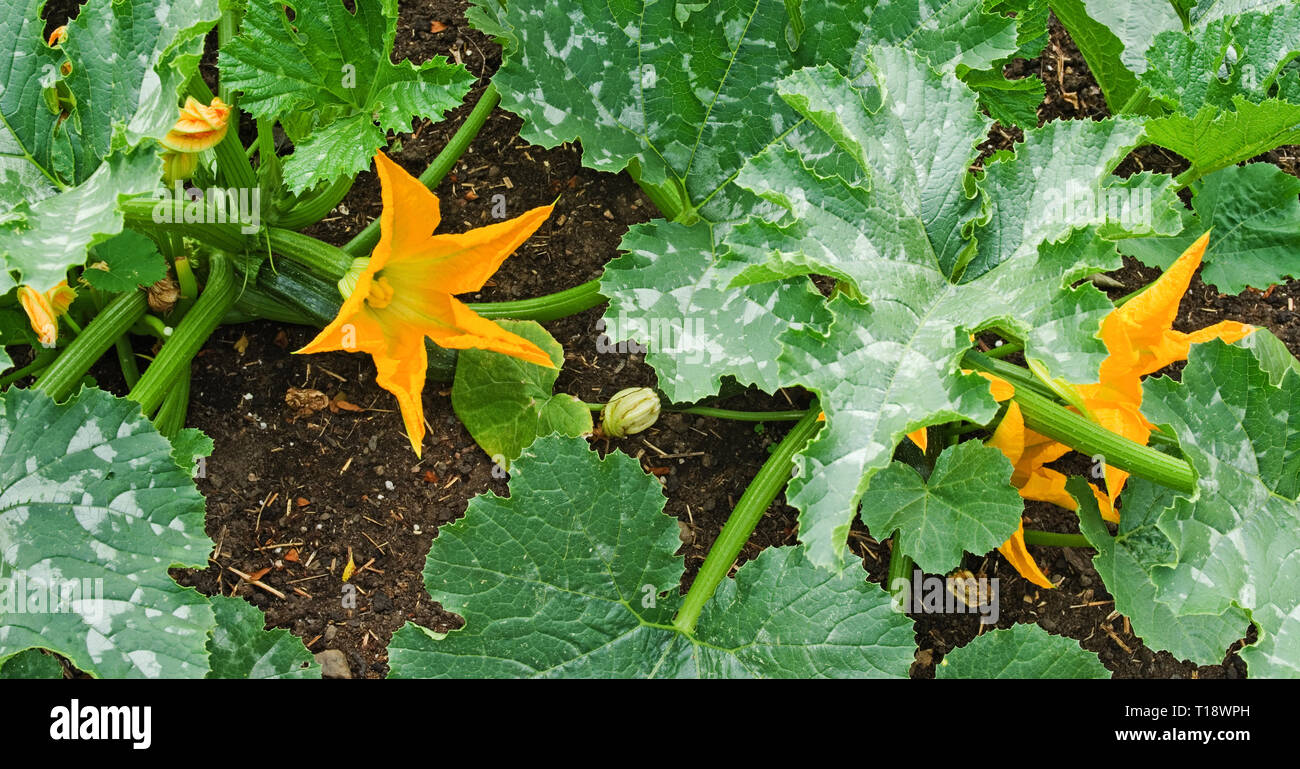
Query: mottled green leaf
{"type": "Point", "coordinates": [585, 584]}
{"type": "Point", "coordinates": [93, 512]}
{"type": "Point", "coordinates": [130, 59]}
{"type": "Point", "coordinates": [241, 648]}
{"type": "Point", "coordinates": [1112, 52]}
{"type": "Point", "coordinates": [1254, 212]}
{"type": "Point", "coordinates": [1237, 540]}
{"type": "Point", "coordinates": [1214, 138]}
{"type": "Point", "coordinates": [1128, 563]}
{"type": "Point", "coordinates": [129, 62]}
{"type": "Point", "coordinates": [890, 367]}
{"type": "Point", "coordinates": [670, 294]}
{"type": "Point", "coordinates": [952, 34]}
{"type": "Point", "coordinates": [1021, 651]}
{"type": "Point", "coordinates": [1010, 102]}
{"type": "Point", "coordinates": [60, 228]}
{"type": "Point", "coordinates": [1272, 354]}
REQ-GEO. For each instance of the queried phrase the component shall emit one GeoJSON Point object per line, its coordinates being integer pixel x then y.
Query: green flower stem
{"type": "Point", "coordinates": [39, 363]}
{"type": "Point", "coordinates": [126, 359]}
{"type": "Point", "coordinates": [1015, 375]}
{"type": "Point", "coordinates": [327, 261]}
{"type": "Point", "coordinates": [232, 161]}
{"type": "Point", "coordinates": [739, 416]}
{"type": "Point", "coordinates": [1045, 417]}
{"type": "Point", "coordinates": [1053, 539]}
{"type": "Point", "coordinates": [175, 407]}
{"type": "Point", "coordinates": [66, 372]}
{"type": "Point", "coordinates": [139, 213]}
{"type": "Point", "coordinates": [669, 197]}
{"type": "Point", "coordinates": [901, 567]}
{"type": "Point", "coordinates": [315, 204]}
{"type": "Point", "coordinates": [72, 323]}
{"type": "Point", "coordinates": [1002, 351]}
{"type": "Point", "coordinates": [769, 481]}
{"type": "Point", "coordinates": [332, 263]}
{"type": "Point", "coordinates": [227, 28]}
{"type": "Point", "coordinates": [188, 284]}
{"type": "Point", "coordinates": [365, 240]}
{"type": "Point", "coordinates": [199, 323]}
{"type": "Point", "coordinates": [561, 304]}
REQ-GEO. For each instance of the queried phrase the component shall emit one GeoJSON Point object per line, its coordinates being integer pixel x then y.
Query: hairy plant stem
{"type": "Point", "coordinates": [227, 28]}
{"type": "Point", "coordinates": [365, 241]}
{"type": "Point", "coordinates": [139, 213]}
{"type": "Point", "coordinates": [1002, 351]}
{"type": "Point", "coordinates": [175, 407]}
{"type": "Point", "coordinates": [1046, 417]}
{"type": "Point", "coordinates": [232, 161]}
{"type": "Point", "coordinates": [739, 416]}
{"type": "Point", "coordinates": [901, 566]}
{"type": "Point", "coordinates": [126, 360]}
{"type": "Point", "coordinates": [318, 256]}
{"type": "Point", "coordinates": [179, 349]}
{"type": "Point", "coordinates": [769, 481]}
{"type": "Point", "coordinates": [1053, 539]}
{"type": "Point", "coordinates": [314, 205]}
{"type": "Point", "coordinates": [38, 364]}
{"type": "Point", "coordinates": [66, 372]}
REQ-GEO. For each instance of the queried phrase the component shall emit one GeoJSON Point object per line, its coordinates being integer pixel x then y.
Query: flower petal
{"type": "Point", "coordinates": [463, 262]}
{"type": "Point", "coordinates": [1017, 554]}
{"type": "Point", "coordinates": [472, 331]}
{"type": "Point", "coordinates": [410, 215]}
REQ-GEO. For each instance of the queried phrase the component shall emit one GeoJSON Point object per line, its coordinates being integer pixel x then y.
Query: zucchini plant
{"type": "Point", "coordinates": [779, 141]}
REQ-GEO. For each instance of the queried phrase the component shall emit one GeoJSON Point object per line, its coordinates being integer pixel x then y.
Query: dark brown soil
{"type": "Point", "coordinates": [294, 495]}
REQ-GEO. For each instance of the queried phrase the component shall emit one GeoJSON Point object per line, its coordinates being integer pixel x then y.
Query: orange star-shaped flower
{"type": "Point", "coordinates": [1140, 340]}
{"type": "Point", "coordinates": [403, 292]}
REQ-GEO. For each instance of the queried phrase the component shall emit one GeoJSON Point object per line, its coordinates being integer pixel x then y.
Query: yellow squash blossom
{"type": "Point", "coordinates": [404, 290]}
{"type": "Point", "coordinates": [1029, 452]}
{"type": "Point", "coordinates": [200, 127]}
{"type": "Point", "coordinates": [43, 309]}
{"type": "Point", "coordinates": [1140, 340]}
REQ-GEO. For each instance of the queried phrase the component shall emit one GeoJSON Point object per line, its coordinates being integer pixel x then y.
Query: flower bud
{"type": "Point", "coordinates": [178, 165]}
{"type": "Point", "coordinates": [61, 297]}
{"type": "Point", "coordinates": [200, 126]}
{"type": "Point", "coordinates": [629, 412]}
{"type": "Point", "coordinates": [40, 313]}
